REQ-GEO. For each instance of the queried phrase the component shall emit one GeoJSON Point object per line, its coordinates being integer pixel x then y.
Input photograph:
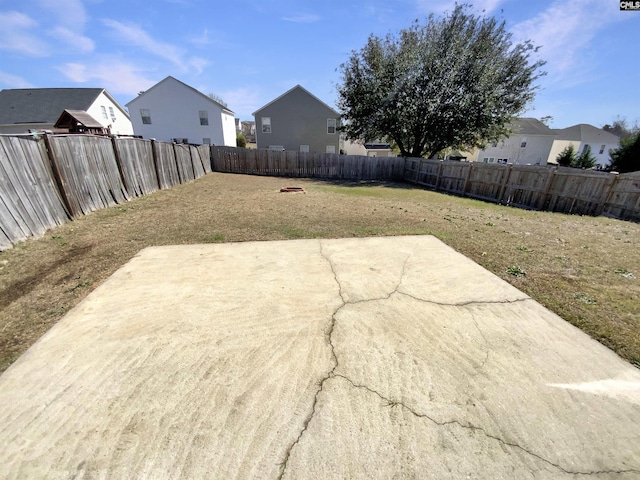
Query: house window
{"type": "Point", "coordinates": [104, 112]}
{"type": "Point", "coordinates": [331, 125]}
{"type": "Point", "coordinates": [146, 116]}
{"type": "Point", "coordinates": [602, 147]}
{"type": "Point", "coordinates": [266, 124]}
{"type": "Point", "coordinates": [277, 148]}
{"type": "Point", "coordinates": [113, 115]}
{"type": "Point", "coordinates": [586, 148]}
{"type": "Point", "coordinates": [331, 149]}
{"type": "Point", "coordinates": [180, 140]}
{"type": "Point", "coordinates": [204, 117]}
{"type": "Point", "coordinates": [485, 160]}
{"type": "Point", "coordinates": [206, 141]}
{"type": "Point", "coordinates": [304, 148]}
{"type": "Point", "coordinates": [523, 143]}
{"type": "Point", "coordinates": [494, 144]}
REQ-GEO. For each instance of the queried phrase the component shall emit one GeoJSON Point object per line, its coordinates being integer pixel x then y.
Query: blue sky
{"type": "Point", "coordinates": [249, 52]}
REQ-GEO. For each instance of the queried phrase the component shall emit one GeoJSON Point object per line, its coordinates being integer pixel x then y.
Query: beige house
{"type": "Point", "coordinates": [366, 149]}
{"type": "Point", "coordinates": [298, 120]}
{"type": "Point", "coordinates": [583, 136]}
{"type": "Point", "coordinates": [529, 144]}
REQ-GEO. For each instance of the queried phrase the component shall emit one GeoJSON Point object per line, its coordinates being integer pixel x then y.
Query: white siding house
{"type": "Point", "coordinates": [584, 135]}
{"type": "Point", "coordinates": [25, 109]}
{"type": "Point", "coordinates": [173, 111]}
{"type": "Point", "coordinates": [529, 144]}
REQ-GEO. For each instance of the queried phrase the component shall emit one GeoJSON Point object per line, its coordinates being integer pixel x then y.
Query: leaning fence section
{"type": "Point", "coordinates": [537, 187]}
{"type": "Point", "coordinates": [46, 180]}
{"type": "Point", "coordinates": [30, 202]}
{"type": "Point", "coordinates": [305, 164]}
{"type": "Point", "coordinates": [623, 200]}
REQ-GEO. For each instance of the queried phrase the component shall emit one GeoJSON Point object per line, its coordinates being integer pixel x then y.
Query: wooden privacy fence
{"type": "Point", "coordinates": [46, 180]}
{"type": "Point", "coordinates": [309, 165]}
{"type": "Point", "coordinates": [557, 189]}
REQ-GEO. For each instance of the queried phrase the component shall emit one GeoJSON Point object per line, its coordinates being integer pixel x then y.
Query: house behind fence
{"type": "Point", "coordinates": [47, 180]}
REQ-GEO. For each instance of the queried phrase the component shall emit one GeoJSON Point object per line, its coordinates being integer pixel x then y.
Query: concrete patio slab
{"type": "Point", "coordinates": [392, 357]}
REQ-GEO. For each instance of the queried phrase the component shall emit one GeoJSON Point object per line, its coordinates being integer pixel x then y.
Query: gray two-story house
{"type": "Point", "coordinates": [297, 120]}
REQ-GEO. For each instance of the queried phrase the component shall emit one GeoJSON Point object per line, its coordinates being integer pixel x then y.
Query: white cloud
{"type": "Point", "coordinates": [198, 63]}
{"type": "Point", "coordinates": [78, 41]}
{"type": "Point", "coordinates": [565, 34]}
{"type": "Point", "coordinates": [134, 35]}
{"type": "Point", "coordinates": [16, 35]}
{"type": "Point", "coordinates": [302, 18]}
{"type": "Point", "coordinates": [117, 76]}
{"type": "Point", "coordinates": [7, 80]}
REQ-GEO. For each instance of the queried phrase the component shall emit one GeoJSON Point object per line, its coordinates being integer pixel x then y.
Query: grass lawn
{"type": "Point", "coordinates": [585, 269]}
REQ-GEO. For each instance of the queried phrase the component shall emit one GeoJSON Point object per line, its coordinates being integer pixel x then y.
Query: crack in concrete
{"type": "Point", "coordinates": [331, 374]}
{"type": "Point", "coordinates": [466, 304]}
{"type": "Point", "coordinates": [394, 403]}
{"type": "Point", "coordinates": [329, 337]}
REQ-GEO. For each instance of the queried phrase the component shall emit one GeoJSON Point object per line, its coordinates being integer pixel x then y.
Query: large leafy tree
{"type": "Point", "coordinates": [455, 81]}
{"type": "Point", "coordinates": [626, 158]}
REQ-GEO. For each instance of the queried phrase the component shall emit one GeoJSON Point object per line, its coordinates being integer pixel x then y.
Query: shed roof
{"type": "Point", "coordinates": [43, 105]}
{"type": "Point", "coordinates": [79, 116]}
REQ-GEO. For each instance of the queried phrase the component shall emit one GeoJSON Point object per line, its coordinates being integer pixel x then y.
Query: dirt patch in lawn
{"type": "Point", "coordinates": [585, 269]}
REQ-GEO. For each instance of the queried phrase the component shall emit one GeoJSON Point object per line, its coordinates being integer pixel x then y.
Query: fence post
{"type": "Point", "coordinates": [437, 186]}
{"type": "Point", "coordinates": [58, 177]}
{"type": "Point", "coordinates": [547, 188]}
{"type": "Point", "coordinates": [615, 177]}
{"type": "Point", "coordinates": [116, 154]}
{"type": "Point", "coordinates": [466, 179]}
{"type": "Point", "coordinates": [156, 161]}
{"type": "Point", "coordinates": [505, 182]}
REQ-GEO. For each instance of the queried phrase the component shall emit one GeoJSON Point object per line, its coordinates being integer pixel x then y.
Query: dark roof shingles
{"type": "Point", "coordinates": [43, 105]}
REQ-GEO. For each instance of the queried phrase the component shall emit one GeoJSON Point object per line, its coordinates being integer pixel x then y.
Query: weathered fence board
{"type": "Point", "coordinates": [166, 167]}
{"type": "Point", "coordinates": [487, 181]}
{"type": "Point", "coordinates": [304, 164]}
{"type": "Point", "coordinates": [29, 200]}
{"type": "Point", "coordinates": [184, 163]}
{"type": "Point", "coordinates": [136, 162]}
{"type": "Point", "coordinates": [624, 197]}
{"type": "Point", "coordinates": [578, 192]}
{"type": "Point", "coordinates": [204, 153]}
{"type": "Point", "coordinates": [89, 172]}
{"type": "Point", "coordinates": [527, 186]}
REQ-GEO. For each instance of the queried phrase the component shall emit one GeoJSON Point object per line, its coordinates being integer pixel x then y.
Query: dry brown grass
{"type": "Point", "coordinates": [579, 267]}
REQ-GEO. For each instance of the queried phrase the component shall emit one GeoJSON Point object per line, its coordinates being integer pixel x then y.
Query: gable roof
{"type": "Point", "coordinates": [44, 105]}
{"type": "Point", "coordinates": [583, 130]}
{"type": "Point", "coordinates": [291, 90]}
{"type": "Point", "coordinates": [173, 79]}
{"type": "Point", "coordinates": [530, 126]}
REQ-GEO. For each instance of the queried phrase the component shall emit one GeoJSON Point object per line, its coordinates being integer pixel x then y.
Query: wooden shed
{"type": "Point", "coordinates": [79, 121]}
